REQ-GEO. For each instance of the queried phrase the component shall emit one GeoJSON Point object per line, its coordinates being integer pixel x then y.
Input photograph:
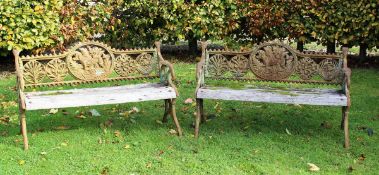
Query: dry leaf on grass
{"type": "Point", "coordinates": [21, 162]}
{"type": "Point", "coordinates": [127, 146]}
{"type": "Point", "coordinates": [188, 101]}
{"type": "Point", "coordinates": [94, 113]}
{"type": "Point", "coordinates": [8, 104]}
{"type": "Point", "coordinates": [53, 111]}
{"type": "Point", "coordinates": [117, 133]}
{"type": "Point", "coordinates": [362, 157]}
{"type": "Point", "coordinates": [288, 132]}
{"type": "Point", "coordinates": [173, 132]}
{"type": "Point", "coordinates": [4, 119]}
{"type": "Point", "coordinates": [312, 167]}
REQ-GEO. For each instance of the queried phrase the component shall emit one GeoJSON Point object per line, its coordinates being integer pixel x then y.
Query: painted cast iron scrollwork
{"type": "Point", "coordinates": [217, 65]}
{"type": "Point", "coordinates": [273, 61]}
{"type": "Point", "coordinates": [307, 68]}
{"type": "Point", "coordinates": [33, 72]}
{"type": "Point", "coordinates": [238, 65]}
{"type": "Point", "coordinates": [90, 62]}
{"type": "Point", "coordinates": [56, 70]}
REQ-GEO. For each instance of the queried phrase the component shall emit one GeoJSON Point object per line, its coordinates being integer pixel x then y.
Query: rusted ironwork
{"type": "Point", "coordinates": [91, 62]}
{"type": "Point", "coordinates": [88, 61]}
{"type": "Point", "coordinates": [274, 61]}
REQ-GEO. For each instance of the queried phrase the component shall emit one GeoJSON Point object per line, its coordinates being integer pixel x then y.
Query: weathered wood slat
{"type": "Point", "coordinates": [97, 96]}
{"type": "Point", "coordinates": [325, 97]}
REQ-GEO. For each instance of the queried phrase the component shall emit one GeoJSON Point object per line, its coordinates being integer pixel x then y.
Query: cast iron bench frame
{"type": "Point", "coordinates": [275, 62]}
{"type": "Point", "coordinates": [93, 63]}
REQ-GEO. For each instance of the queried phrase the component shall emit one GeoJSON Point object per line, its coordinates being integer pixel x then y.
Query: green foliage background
{"type": "Point", "coordinates": [121, 23]}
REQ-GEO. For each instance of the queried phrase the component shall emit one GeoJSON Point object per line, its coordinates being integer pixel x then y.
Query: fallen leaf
{"type": "Point", "coordinates": [117, 133]}
{"type": "Point", "coordinates": [105, 171]}
{"type": "Point", "coordinates": [188, 101]}
{"type": "Point", "coordinates": [173, 132]}
{"type": "Point", "coordinates": [127, 146]}
{"type": "Point", "coordinates": [350, 169]}
{"type": "Point", "coordinates": [124, 114]}
{"type": "Point", "coordinates": [160, 152]}
{"type": "Point", "coordinates": [53, 111]}
{"type": "Point", "coordinates": [312, 167]}
{"type": "Point", "coordinates": [21, 162]}
{"type": "Point", "coordinates": [43, 153]}
{"type": "Point", "coordinates": [8, 104]}
{"type": "Point", "coordinates": [134, 110]}
{"type": "Point", "coordinates": [288, 132]}
{"type": "Point", "coordinates": [62, 127]}
{"type": "Point", "coordinates": [94, 113]}
{"type": "Point", "coordinates": [362, 157]}
{"type": "Point", "coordinates": [108, 123]}
{"type": "Point", "coordinates": [64, 144]}
{"type": "Point", "coordinates": [80, 116]}
{"type": "Point", "coordinates": [5, 119]}
{"type": "Point", "coordinates": [149, 165]}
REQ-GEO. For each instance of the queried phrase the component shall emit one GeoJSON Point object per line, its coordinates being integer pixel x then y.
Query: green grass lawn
{"type": "Point", "coordinates": [242, 138]}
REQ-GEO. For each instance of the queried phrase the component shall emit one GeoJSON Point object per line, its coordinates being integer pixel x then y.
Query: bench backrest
{"type": "Point", "coordinates": [87, 62]}
{"type": "Point", "coordinates": [276, 62]}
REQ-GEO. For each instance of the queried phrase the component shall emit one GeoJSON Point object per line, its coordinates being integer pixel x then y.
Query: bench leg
{"type": "Point", "coordinates": [345, 117]}
{"type": "Point", "coordinates": [201, 105]}
{"type": "Point", "coordinates": [167, 110]}
{"type": "Point", "coordinates": [173, 115]}
{"type": "Point", "coordinates": [198, 117]}
{"type": "Point", "coordinates": [23, 128]}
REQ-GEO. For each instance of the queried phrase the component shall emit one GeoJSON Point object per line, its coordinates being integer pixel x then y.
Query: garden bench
{"type": "Point", "coordinates": [99, 65]}
{"type": "Point", "coordinates": [271, 63]}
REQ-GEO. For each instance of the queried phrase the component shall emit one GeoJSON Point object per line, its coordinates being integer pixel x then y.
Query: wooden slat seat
{"type": "Point", "coordinates": [326, 97]}
{"type": "Point", "coordinates": [97, 96]}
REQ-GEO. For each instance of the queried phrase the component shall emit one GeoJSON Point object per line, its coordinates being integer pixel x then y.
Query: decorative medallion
{"type": "Point", "coordinates": [238, 65]}
{"type": "Point", "coordinates": [217, 65]}
{"type": "Point", "coordinates": [56, 70]}
{"type": "Point", "coordinates": [307, 68]}
{"type": "Point", "coordinates": [273, 62]}
{"type": "Point", "coordinates": [33, 72]}
{"type": "Point", "coordinates": [330, 70]}
{"type": "Point", "coordinates": [125, 65]}
{"type": "Point", "coordinates": [145, 66]}
{"type": "Point", "coordinates": [90, 62]}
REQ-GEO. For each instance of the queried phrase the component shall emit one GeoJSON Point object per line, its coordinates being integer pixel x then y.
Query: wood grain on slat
{"type": "Point", "coordinates": [97, 96]}
{"type": "Point", "coordinates": [325, 97]}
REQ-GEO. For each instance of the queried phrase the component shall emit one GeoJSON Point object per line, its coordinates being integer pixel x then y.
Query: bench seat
{"type": "Point", "coordinates": [327, 97]}
{"type": "Point", "coordinates": [97, 96]}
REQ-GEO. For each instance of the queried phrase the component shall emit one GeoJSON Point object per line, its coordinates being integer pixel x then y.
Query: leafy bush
{"type": "Point", "coordinates": [26, 24]}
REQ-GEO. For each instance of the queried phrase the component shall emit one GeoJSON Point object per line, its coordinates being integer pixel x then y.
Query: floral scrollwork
{"type": "Point", "coordinates": [217, 65]}
{"type": "Point", "coordinates": [56, 70]}
{"type": "Point", "coordinates": [273, 62]}
{"type": "Point", "coordinates": [33, 72]}
{"type": "Point", "coordinates": [307, 68]}
{"type": "Point", "coordinates": [125, 65]}
{"type": "Point", "coordinates": [238, 65]}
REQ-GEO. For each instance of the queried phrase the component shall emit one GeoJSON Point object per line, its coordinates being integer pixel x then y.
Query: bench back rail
{"type": "Point", "coordinates": [275, 62]}
{"type": "Point", "coordinates": [91, 62]}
